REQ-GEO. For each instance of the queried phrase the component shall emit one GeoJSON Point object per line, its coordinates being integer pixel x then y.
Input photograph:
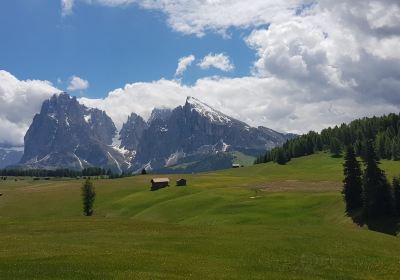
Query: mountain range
{"type": "Point", "coordinates": [190, 138]}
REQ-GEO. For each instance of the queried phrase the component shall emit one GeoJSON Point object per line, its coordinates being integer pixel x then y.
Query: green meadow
{"type": "Point", "coordinates": [259, 222]}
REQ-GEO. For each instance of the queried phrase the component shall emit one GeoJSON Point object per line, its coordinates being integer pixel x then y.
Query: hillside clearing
{"type": "Point", "coordinates": [260, 222]}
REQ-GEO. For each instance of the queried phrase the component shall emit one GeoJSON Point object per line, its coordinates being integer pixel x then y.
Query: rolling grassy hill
{"type": "Point", "coordinates": [260, 222]}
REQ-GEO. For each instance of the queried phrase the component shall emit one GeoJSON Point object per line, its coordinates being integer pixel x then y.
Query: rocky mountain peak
{"type": "Point", "coordinates": [215, 116]}
{"type": "Point", "coordinates": [159, 114]}
{"type": "Point", "coordinates": [132, 131]}
{"type": "Point", "coordinates": [66, 134]}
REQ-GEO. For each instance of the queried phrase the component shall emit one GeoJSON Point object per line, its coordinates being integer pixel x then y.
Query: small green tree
{"type": "Point", "coordinates": [352, 188]}
{"type": "Point", "coordinates": [88, 195]}
{"type": "Point", "coordinates": [144, 172]}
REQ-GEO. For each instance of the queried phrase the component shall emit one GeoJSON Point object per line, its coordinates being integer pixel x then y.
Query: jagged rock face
{"type": "Point", "coordinates": [67, 134]}
{"type": "Point", "coordinates": [132, 132]}
{"type": "Point", "coordinates": [160, 113]}
{"type": "Point", "coordinates": [101, 125]}
{"type": "Point", "coordinates": [198, 128]}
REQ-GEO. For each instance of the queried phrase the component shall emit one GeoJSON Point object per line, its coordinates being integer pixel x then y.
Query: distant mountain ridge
{"type": "Point", "coordinates": [66, 134]}
{"type": "Point", "coordinates": [10, 155]}
{"type": "Point", "coordinates": [198, 129]}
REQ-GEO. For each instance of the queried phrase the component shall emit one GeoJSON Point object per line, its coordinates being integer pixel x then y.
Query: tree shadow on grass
{"type": "Point", "coordinates": [386, 225]}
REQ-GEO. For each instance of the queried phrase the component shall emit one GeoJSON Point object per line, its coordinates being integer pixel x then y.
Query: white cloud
{"type": "Point", "coordinates": [219, 61]}
{"type": "Point", "coordinates": [183, 64]}
{"type": "Point", "coordinates": [66, 7]}
{"type": "Point", "coordinates": [268, 101]}
{"type": "Point", "coordinates": [198, 17]}
{"type": "Point", "coordinates": [77, 83]}
{"type": "Point", "coordinates": [334, 50]}
{"type": "Point", "coordinates": [19, 102]}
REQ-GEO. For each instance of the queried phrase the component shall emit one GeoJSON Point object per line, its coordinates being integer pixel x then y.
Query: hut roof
{"type": "Point", "coordinates": [160, 180]}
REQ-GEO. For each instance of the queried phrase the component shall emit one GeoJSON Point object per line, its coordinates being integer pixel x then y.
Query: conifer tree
{"type": "Point", "coordinates": [358, 147]}
{"type": "Point", "coordinates": [377, 197]}
{"type": "Point", "coordinates": [88, 195]}
{"type": "Point", "coordinates": [335, 147]}
{"type": "Point", "coordinates": [396, 189]}
{"type": "Point", "coordinates": [352, 188]}
{"type": "Point", "coordinates": [280, 157]}
{"type": "Point", "coordinates": [380, 142]}
{"type": "Point", "coordinates": [396, 149]}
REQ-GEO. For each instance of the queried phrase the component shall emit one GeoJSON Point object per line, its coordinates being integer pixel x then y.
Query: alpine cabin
{"type": "Point", "coordinates": [159, 183]}
{"type": "Point", "coordinates": [181, 182]}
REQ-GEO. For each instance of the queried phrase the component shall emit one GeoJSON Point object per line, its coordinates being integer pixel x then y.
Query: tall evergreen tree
{"type": "Point", "coordinates": [380, 148]}
{"type": "Point", "coordinates": [280, 157]}
{"type": "Point", "coordinates": [335, 147]}
{"type": "Point", "coordinates": [396, 148]}
{"type": "Point", "coordinates": [396, 189]}
{"type": "Point", "coordinates": [352, 188]}
{"type": "Point", "coordinates": [358, 147]}
{"type": "Point", "coordinates": [377, 195]}
{"type": "Point", "coordinates": [88, 195]}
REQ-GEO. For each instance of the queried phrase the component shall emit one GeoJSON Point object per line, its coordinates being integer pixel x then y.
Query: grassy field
{"type": "Point", "coordinates": [260, 222]}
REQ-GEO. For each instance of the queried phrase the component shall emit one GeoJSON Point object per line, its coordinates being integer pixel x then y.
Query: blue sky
{"type": "Point", "coordinates": [298, 65]}
{"type": "Point", "coordinates": [109, 47]}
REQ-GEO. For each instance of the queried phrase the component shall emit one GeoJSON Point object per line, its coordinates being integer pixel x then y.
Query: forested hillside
{"type": "Point", "coordinates": [384, 131]}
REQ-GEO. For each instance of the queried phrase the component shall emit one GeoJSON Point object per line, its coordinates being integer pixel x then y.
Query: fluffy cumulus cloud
{"type": "Point", "coordinates": [269, 101]}
{"type": "Point", "coordinates": [335, 51]}
{"type": "Point", "coordinates": [76, 84]}
{"type": "Point", "coordinates": [197, 17]}
{"type": "Point", "coordinates": [183, 64]}
{"type": "Point", "coordinates": [219, 61]}
{"type": "Point", "coordinates": [19, 101]}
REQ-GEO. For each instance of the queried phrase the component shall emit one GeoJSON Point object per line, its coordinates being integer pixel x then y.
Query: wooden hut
{"type": "Point", "coordinates": [159, 183]}
{"type": "Point", "coordinates": [181, 182]}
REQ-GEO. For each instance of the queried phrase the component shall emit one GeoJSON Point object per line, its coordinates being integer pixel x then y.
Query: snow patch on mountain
{"type": "Point", "coordinates": [174, 158]}
{"type": "Point", "coordinates": [207, 111]}
{"type": "Point", "coordinates": [116, 162]}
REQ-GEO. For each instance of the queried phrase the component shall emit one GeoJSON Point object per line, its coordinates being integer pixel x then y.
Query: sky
{"type": "Point", "coordinates": [293, 66]}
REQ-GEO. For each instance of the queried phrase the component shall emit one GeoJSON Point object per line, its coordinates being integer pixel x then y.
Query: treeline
{"type": "Point", "coordinates": [384, 132]}
{"type": "Point", "coordinates": [59, 173]}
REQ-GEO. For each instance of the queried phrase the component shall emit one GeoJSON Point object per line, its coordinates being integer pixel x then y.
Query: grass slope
{"type": "Point", "coordinates": [260, 222]}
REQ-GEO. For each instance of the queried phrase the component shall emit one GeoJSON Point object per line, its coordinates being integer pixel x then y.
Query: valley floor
{"type": "Point", "coordinates": [260, 222]}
